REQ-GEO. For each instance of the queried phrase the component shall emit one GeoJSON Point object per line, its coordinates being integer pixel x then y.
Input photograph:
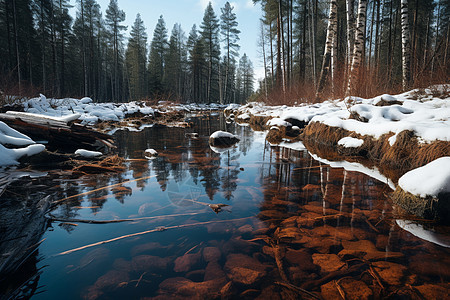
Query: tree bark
{"type": "Point", "coordinates": [406, 46]}
{"type": "Point", "coordinates": [327, 56]}
{"type": "Point", "coordinates": [358, 48]}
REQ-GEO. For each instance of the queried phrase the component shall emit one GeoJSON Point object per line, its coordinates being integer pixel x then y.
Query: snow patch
{"type": "Point", "coordinates": [88, 153]}
{"type": "Point", "coordinates": [429, 180]}
{"type": "Point", "coordinates": [350, 142]}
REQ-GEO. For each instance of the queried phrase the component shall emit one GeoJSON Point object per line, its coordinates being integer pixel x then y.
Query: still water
{"type": "Point", "coordinates": [291, 226]}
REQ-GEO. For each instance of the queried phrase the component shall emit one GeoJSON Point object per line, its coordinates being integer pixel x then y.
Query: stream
{"type": "Point", "coordinates": [252, 221]}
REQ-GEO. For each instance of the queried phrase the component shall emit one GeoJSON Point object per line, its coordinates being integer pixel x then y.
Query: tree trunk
{"type": "Point", "coordinates": [329, 44]}
{"type": "Point", "coordinates": [358, 48]}
{"type": "Point", "coordinates": [16, 38]}
{"type": "Point", "coordinates": [350, 34]}
{"type": "Point", "coordinates": [406, 46]}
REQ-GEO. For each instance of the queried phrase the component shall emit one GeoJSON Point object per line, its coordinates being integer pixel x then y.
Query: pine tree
{"type": "Point", "coordinates": [158, 50]}
{"type": "Point", "coordinates": [175, 61]}
{"type": "Point", "coordinates": [230, 37]}
{"type": "Point", "coordinates": [245, 79]}
{"type": "Point", "coordinates": [115, 16]}
{"type": "Point", "coordinates": [196, 66]}
{"type": "Point", "coordinates": [136, 60]}
{"type": "Point", "coordinates": [210, 37]}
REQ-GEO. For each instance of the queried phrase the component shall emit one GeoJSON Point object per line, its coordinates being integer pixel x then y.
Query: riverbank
{"type": "Point", "coordinates": [395, 133]}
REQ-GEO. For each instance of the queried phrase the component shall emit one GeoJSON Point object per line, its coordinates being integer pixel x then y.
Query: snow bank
{"type": "Point", "coordinates": [350, 142]}
{"type": "Point", "coordinates": [429, 180]}
{"type": "Point", "coordinates": [89, 112]}
{"type": "Point", "coordinates": [88, 153]}
{"type": "Point", "coordinates": [428, 118]}
{"type": "Point", "coordinates": [222, 134]}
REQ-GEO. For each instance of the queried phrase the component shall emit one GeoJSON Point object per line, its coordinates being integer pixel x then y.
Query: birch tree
{"type": "Point", "coordinates": [329, 45]}
{"type": "Point", "coordinates": [406, 46]}
{"type": "Point", "coordinates": [359, 46]}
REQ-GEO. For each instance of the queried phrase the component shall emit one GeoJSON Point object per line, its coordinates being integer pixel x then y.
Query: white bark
{"type": "Point", "coordinates": [349, 4]}
{"type": "Point", "coordinates": [329, 45]}
{"type": "Point", "coordinates": [359, 45]}
{"type": "Point", "coordinates": [406, 46]}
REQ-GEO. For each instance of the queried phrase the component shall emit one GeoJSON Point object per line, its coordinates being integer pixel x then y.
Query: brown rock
{"type": "Point", "coordinates": [271, 214]}
{"type": "Point", "coordinates": [352, 288]}
{"type": "Point", "coordinates": [309, 219]}
{"type": "Point", "coordinates": [300, 258]}
{"type": "Point", "coordinates": [244, 269]}
{"type": "Point", "coordinates": [146, 263]}
{"type": "Point", "coordinates": [391, 273]}
{"type": "Point", "coordinates": [430, 265]}
{"type": "Point", "coordinates": [269, 293]}
{"type": "Point", "coordinates": [211, 254]}
{"type": "Point", "coordinates": [245, 229]}
{"type": "Point", "coordinates": [434, 291]}
{"type": "Point", "coordinates": [320, 210]}
{"type": "Point", "coordinates": [365, 249]}
{"type": "Point", "coordinates": [186, 262]}
{"type": "Point", "coordinates": [327, 262]}
{"type": "Point", "coordinates": [323, 245]}
{"type": "Point", "coordinates": [214, 271]}
{"type": "Point", "coordinates": [183, 287]}
{"type": "Point", "coordinates": [290, 222]}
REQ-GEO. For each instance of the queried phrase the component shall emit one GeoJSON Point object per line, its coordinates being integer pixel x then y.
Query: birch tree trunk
{"type": "Point", "coordinates": [406, 46]}
{"type": "Point", "coordinates": [350, 35]}
{"type": "Point", "coordinates": [358, 47]}
{"type": "Point", "coordinates": [331, 32]}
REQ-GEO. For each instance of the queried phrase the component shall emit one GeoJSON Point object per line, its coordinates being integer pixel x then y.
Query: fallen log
{"type": "Point", "coordinates": [59, 134]}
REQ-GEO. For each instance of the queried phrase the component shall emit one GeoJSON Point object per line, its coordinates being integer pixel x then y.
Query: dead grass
{"type": "Point", "coordinates": [393, 161]}
{"type": "Point", "coordinates": [429, 208]}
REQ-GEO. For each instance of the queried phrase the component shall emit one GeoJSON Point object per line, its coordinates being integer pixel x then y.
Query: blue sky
{"type": "Point", "coordinates": [190, 12]}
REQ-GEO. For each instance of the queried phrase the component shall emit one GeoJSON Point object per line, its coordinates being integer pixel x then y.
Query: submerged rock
{"type": "Point", "coordinates": [223, 139]}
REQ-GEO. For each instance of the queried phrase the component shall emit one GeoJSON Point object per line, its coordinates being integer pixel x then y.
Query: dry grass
{"type": "Point", "coordinates": [429, 208]}
{"type": "Point", "coordinates": [404, 155]}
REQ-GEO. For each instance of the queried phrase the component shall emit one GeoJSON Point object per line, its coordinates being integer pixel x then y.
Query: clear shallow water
{"type": "Point", "coordinates": [291, 222]}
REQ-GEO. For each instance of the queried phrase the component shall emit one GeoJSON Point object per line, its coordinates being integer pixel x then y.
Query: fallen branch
{"type": "Point", "coordinates": [52, 218]}
{"type": "Point", "coordinates": [145, 232]}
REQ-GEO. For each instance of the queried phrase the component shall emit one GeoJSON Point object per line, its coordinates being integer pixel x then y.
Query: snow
{"type": "Point", "coordinates": [428, 117]}
{"type": "Point", "coordinates": [424, 234]}
{"type": "Point", "coordinates": [357, 167]}
{"type": "Point", "coordinates": [151, 152]}
{"type": "Point", "coordinates": [88, 153]}
{"type": "Point", "coordinates": [429, 180]}
{"type": "Point", "coordinates": [350, 142]}
{"type": "Point", "coordinates": [10, 157]}
{"type": "Point", "coordinates": [244, 116]}
{"type": "Point", "coordinates": [222, 134]}
{"type": "Point", "coordinates": [88, 112]}
{"type": "Point", "coordinates": [11, 137]}
{"type": "Point", "coordinates": [279, 122]}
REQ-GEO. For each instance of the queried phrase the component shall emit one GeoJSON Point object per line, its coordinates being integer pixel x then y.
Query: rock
{"type": "Point", "coordinates": [245, 229]}
{"type": "Point", "coordinates": [244, 269]}
{"type": "Point", "coordinates": [187, 262]}
{"type": "Point", "coordinates": [430, 265]}
{"type": "Point", "coordinates": [211, 254]}
{"type": "Point", "coordinates": [183, 287]}
{"type": "Point", "coordinates": [269, 293]}
{"type": "Point", "coordinates": [214, 271]}
{"type": "Point", "coordinates": [150, 153]}
{"type": "Point", "coordinates": [149, 263]}
{"type": "Point", "coordinates": [222, 139]}
{"type": "Point", "coordinates": [391, 273]}
{"type": "Point", "coordinates": [352, 288]}
{"type": "Point", "coordinates": [300, 258]}
{"type": "Point", "coordinates": [327, 262]}
{"type": "Point", "coordinates": [367, 250]}
{"type": "Point", "coordinates": [145, 247]}
{"type": "Point", "coordinates": [109, 281]}
{"type": "Point", "coordinates": [434, 291]}
{"type": "Point", "coordinates": [121, 264]}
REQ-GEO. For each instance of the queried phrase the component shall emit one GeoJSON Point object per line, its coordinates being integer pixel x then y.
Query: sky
{"type": "Point", "coordinates": [190, 12]}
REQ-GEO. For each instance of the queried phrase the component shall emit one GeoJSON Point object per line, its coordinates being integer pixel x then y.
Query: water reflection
{"type": "Point", "coordinates": [294, 225]}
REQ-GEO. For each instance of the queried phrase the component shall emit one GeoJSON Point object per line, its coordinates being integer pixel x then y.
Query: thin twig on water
{"type": "Point", "coordinates": [162, 228]}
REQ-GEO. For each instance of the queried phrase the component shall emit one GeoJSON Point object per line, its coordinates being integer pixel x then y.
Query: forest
{"type": "Point", "coordinates": [46, 50]}
{"type": "Point", "coordinates": [310, 50]}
